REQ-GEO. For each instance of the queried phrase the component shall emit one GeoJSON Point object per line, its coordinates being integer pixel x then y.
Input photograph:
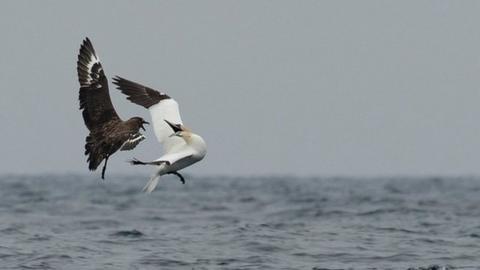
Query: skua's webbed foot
{"type": "Point", "coordinates": [104, 168]}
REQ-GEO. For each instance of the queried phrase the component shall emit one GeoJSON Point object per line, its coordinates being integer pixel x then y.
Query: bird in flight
{"type": "Point", "coordinates": [108, 133]}
{"type": "Point", "coordinates": [182, 147]}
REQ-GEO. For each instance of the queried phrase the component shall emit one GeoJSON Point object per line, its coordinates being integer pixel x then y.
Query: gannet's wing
{"type": "Point", "coordinates": [95, 103]}
{"type": "Point", "coordinates": [161, 106]}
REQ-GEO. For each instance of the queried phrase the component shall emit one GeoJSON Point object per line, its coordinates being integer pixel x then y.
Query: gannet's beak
{"type": "Point", "coordinates": [177, 128]}
{"type": "Point", "coordinates": [179, 134]}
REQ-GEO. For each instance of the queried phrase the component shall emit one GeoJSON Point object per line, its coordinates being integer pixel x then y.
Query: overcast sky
{"type": "Point", "coordinates": [275, 87]}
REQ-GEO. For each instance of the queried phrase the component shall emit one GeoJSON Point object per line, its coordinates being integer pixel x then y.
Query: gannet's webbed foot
{"type": "Point", "coordinates": [179, 175]}
{"type": "Point", "coordinates": [135, 161]}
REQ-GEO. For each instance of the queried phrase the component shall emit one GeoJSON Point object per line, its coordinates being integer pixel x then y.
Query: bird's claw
{"type": "Point", "coordinates": [180, 176]}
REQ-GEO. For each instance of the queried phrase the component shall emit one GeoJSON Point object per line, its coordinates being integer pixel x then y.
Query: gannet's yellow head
{"type": "Point", "coordinates": [192, 139]}
{"type": "Point", "coordinates": [180, 131]}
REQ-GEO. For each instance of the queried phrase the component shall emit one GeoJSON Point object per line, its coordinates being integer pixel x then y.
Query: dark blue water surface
{"type": "Point", "coordinates": [80, 222]}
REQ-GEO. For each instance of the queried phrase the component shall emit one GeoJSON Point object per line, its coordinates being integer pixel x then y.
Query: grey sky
{"type": "Point", "coordinates": [274, 87]}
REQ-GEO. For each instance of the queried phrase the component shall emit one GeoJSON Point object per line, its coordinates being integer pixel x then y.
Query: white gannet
{"type": "Point", "coordinates": [182, 147]}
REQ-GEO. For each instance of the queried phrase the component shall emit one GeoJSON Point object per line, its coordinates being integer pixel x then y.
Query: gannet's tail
{"type": "Point", "coordinates": [151, 184]}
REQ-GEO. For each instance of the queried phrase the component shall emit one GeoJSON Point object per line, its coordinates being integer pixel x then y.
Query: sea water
{"type": "Point", "coordinates": [82, 222]}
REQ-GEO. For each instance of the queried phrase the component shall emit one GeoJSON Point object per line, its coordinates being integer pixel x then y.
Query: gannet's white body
{"type": "Point", "coordinates": [182, 147]}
